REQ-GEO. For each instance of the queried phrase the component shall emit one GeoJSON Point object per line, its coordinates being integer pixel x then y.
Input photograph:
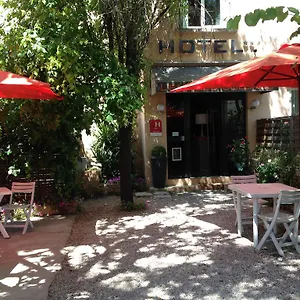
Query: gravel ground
{"type": "Point", "coordinates": [184, 247]}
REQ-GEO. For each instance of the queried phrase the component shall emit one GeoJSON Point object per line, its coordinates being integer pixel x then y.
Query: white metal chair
{"type": "Point", "coordinates": [289, 220]}
{"type": "Point", "coordinates": [21, 198]}
{"type": "Point", "coordinates": [242, 179]}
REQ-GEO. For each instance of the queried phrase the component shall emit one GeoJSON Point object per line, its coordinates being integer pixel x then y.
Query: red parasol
{"type": "Point", "coordinates": [278, 69]}
{"type": "Point", "coordinates": [19, 87]}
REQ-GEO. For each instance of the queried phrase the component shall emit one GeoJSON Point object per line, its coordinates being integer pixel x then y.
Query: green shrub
{"type": "Point", "coordinates": [158, 151]}
{"type": "Point", "coordinates": [106, 150]}
{"type": "Point", "coordinates": [272, 165]}
{"type": "Point", "coordinates": [18, 214]}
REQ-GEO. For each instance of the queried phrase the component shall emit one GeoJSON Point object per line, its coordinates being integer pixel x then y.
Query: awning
{"type": "Point", "coordinates": [167, 78]}
{"type": "Point", "coordinates": [164, 79]}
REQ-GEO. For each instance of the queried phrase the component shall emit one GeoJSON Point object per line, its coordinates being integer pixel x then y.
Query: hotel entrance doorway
{"type": "Point", "coordinates": [199, 128]}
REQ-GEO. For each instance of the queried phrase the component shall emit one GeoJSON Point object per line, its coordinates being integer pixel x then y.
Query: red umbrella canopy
{"type": "Point", "coordinates": [278, 69]}
{"type": "Point", "coordinates": [19, 87]}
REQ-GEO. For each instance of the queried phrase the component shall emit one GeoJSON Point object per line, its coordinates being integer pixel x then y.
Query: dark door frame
{"type": "Point", "coordinates": [224, 132]}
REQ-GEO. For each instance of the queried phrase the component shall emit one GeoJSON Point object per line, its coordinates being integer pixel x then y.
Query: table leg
{"type": "Point", "coordinates": [296, 226]}
{"type": "Point", "coordinates": [3, 231]}
{"type": "Point", "coordinates": [255, 222]}
{"type": "Point", "coordinates": [239, 214]}
{"type": "Point", "coordinates": [274, 209]}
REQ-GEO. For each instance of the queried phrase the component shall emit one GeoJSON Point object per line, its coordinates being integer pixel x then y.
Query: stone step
{"type": "Point", "coordinates": [143, 194]}
{"type": "Point", "coordinates": [183, 189]}
{"type": "Point", "coordinates": [198, 187]}
{"type": "Point", "coordinates": [162, 195]}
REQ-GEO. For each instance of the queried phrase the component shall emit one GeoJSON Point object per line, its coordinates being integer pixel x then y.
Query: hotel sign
{"type": "Point", "coordinates": [190, 46]}
{"type": "Point", "coordinates": [155, 127]}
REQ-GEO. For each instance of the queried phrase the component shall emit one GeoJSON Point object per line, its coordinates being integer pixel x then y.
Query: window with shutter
{"type": "Point", "coordinates": [202, 13]}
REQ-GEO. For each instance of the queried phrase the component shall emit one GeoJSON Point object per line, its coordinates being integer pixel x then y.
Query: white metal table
{"type": "Point", "coordinates": [256, 191]}
{"type": "Point", "coordinates": [4, 191]}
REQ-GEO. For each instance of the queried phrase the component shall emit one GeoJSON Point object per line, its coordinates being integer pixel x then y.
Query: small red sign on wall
{"type": "Point", "coordinates": [155, 127]}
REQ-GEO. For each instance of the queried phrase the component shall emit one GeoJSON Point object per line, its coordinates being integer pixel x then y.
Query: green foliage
{"type": "Point", "coordinates": [18, 215]}
{"type": "Point", "coordinates": [269, 171]}
{"type": "Point", "coordinates": [36, 142]}
{"type": "Point", "coordinates": [158, 151]}
{"type": "Point", "coordinates": [279, 13]}
{"type": "Point", "coordinates": [37, 42]}
{"type": "Point", "coordinates": [239, 153]}
{"type": "Point", "coordinates": [233, 23]}
{"type": "Point", "coordinates": [251, 19]}
{"type": "Point", "coordinates": [90, 52]}
{"type": "Point", "coordinates": [272, 165]}
{"type": "Point", "coordinates": [123, 97]}
{"type": "Point", "coordinates": [106, 150]}
{"type": "Point", "coordinates": [60, 43]}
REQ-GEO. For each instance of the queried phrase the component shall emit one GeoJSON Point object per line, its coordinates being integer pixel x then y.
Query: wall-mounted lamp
{"type": "Point", "coordinates": [254, 104]}
{"type": "Point", "coordinates": [160, 107]}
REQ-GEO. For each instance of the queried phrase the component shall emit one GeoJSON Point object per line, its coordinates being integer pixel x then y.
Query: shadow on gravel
{"type": "Point", "coordinates": [184, 248]}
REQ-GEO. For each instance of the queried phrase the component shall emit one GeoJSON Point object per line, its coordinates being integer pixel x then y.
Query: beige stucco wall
{"type": "Point", "coordinates": [151, 141]}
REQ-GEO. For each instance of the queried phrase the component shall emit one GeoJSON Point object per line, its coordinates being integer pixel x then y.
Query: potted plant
{"type": "Point", "coordinates": [159, 166]}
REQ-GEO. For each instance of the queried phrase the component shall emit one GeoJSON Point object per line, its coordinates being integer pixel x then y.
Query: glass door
{"type": "Point", "coordinates": [176, 138]}
{"type": "Point", "coordinates": [234, 126]}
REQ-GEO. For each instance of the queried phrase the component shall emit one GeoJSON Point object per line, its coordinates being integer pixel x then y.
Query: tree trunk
{"type": "Point", "coordinates": [125, 166]}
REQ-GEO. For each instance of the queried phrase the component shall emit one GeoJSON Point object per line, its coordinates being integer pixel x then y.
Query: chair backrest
{"type": "Point", "coordinates": [244, 179]}
{"type": "Point", "coordinates": [289, 197]}
{"type": "Point", "coordinates": [23, 188]}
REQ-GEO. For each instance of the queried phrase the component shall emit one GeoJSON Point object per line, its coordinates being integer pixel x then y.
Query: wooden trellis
{"type": "Point", "coordinates": [278, 133]}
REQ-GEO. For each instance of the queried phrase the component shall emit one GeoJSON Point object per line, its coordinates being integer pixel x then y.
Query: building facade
{"type": "Point", "coordinates": [196, 127]}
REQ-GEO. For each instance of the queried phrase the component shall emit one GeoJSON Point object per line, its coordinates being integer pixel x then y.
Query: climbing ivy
{"type": "Point", "coordinates": [279, 13]}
